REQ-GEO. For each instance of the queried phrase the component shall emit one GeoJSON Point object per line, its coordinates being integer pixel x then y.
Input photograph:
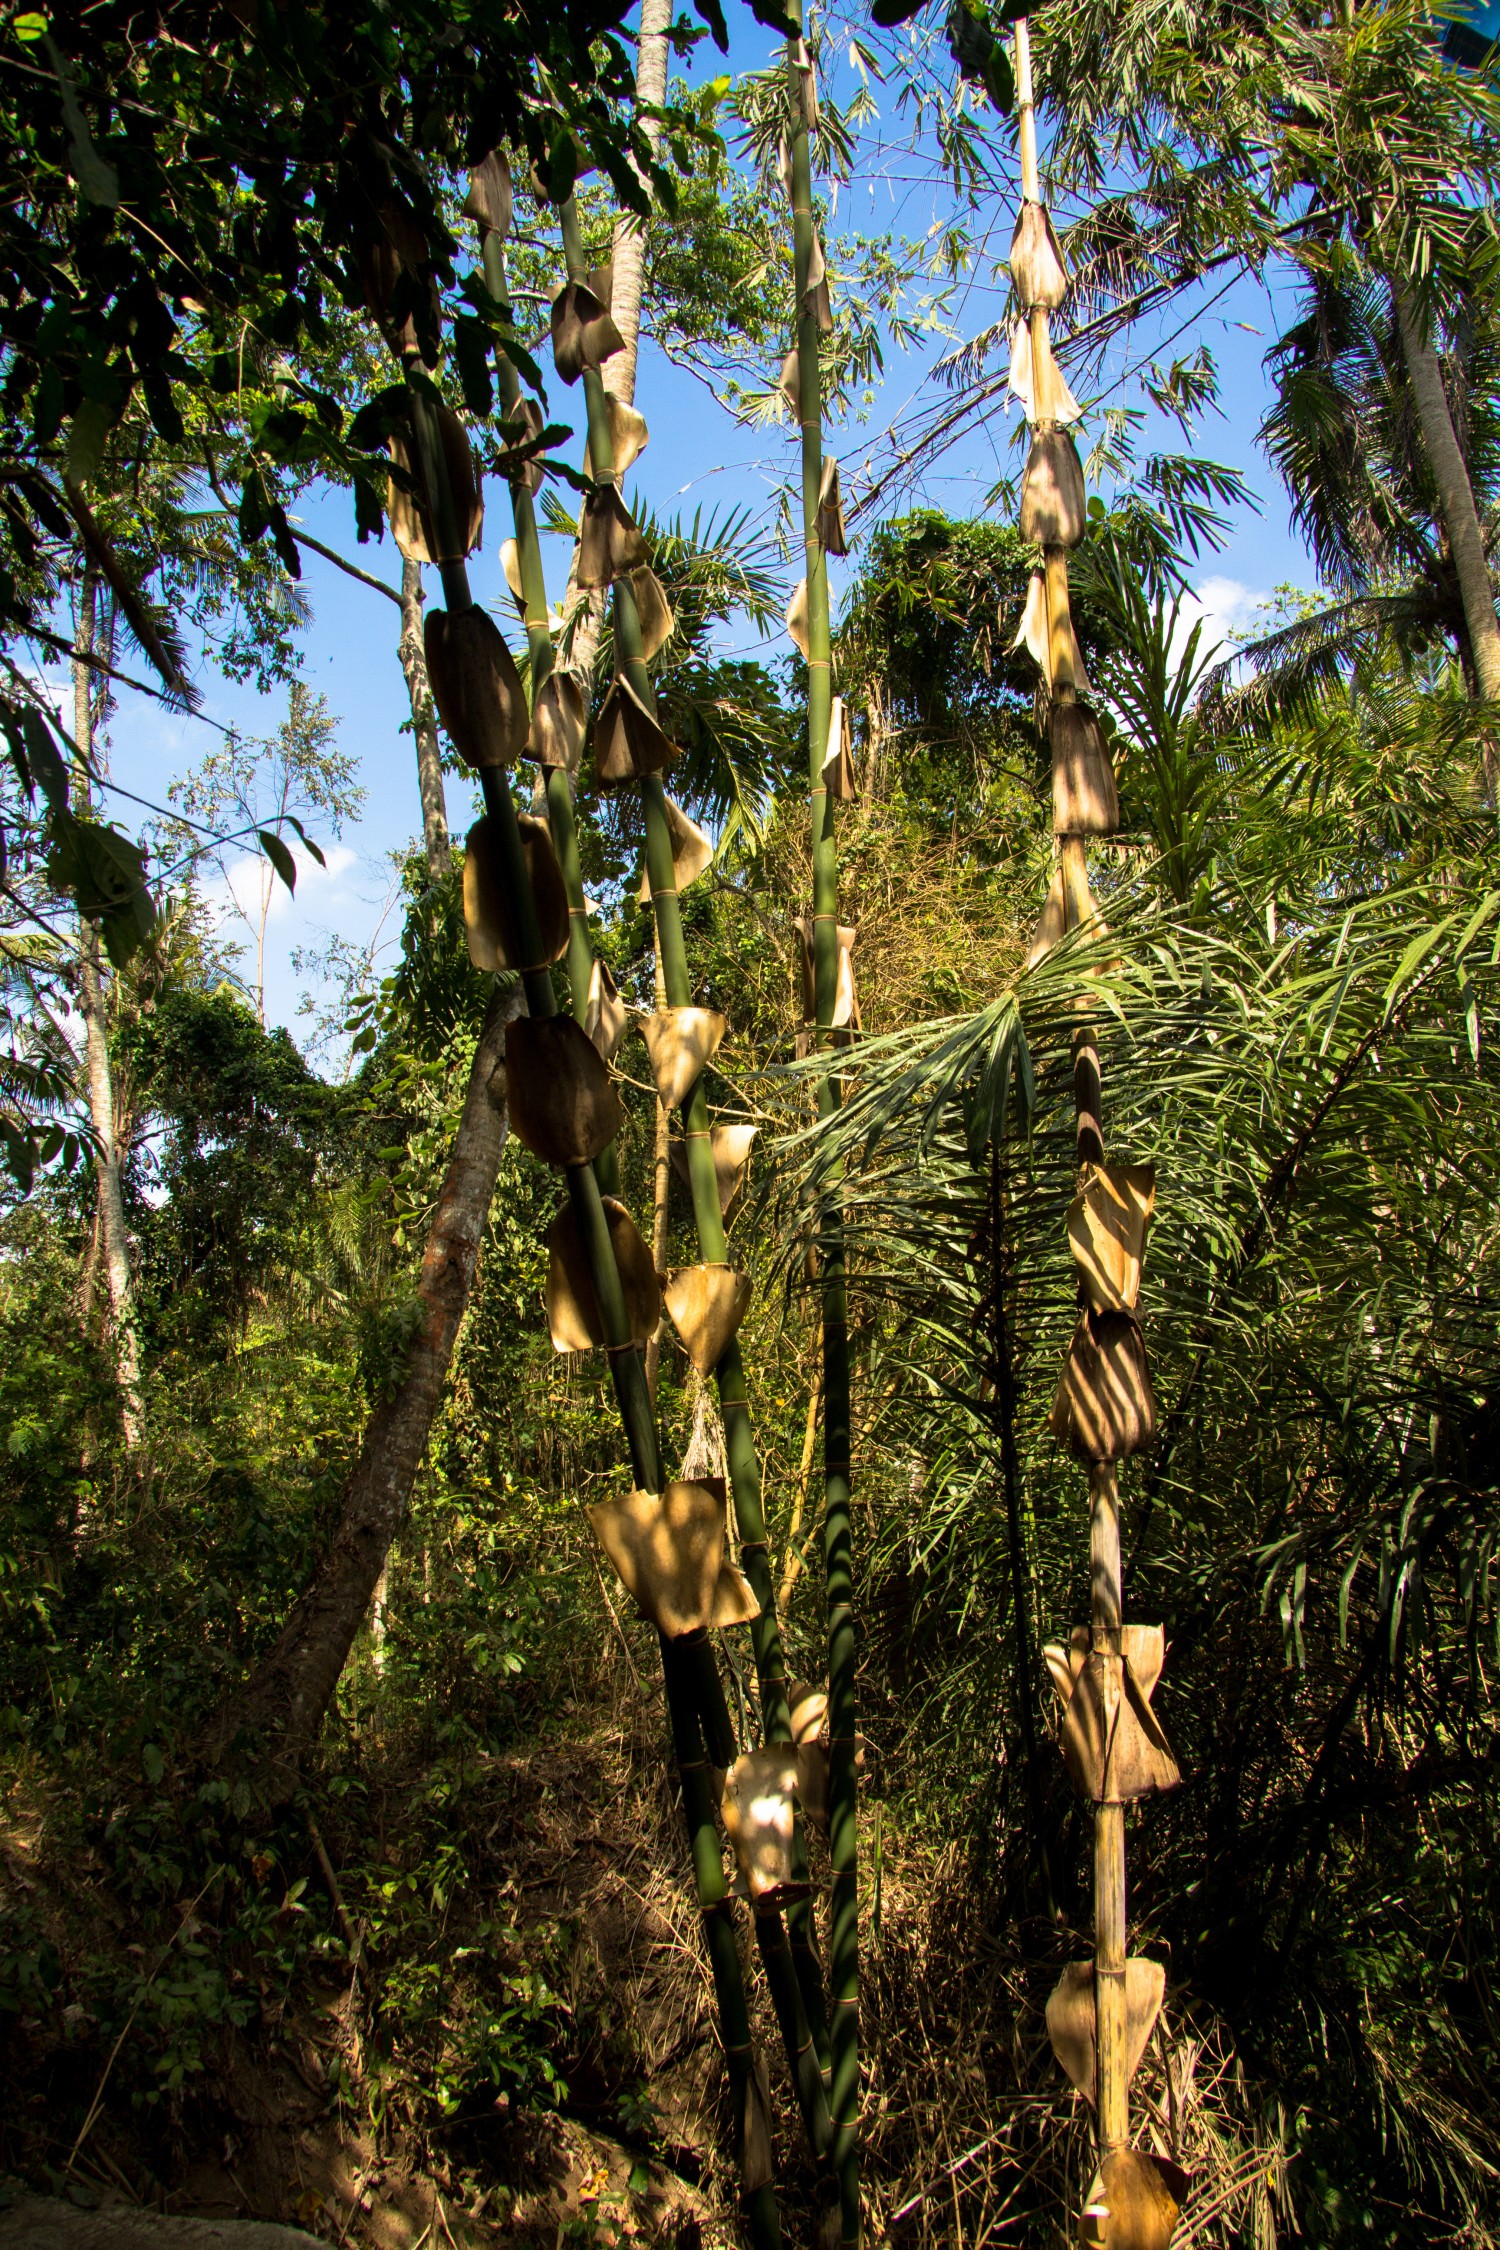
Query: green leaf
{"type": "Point", "coordinates": [999, 79]}
{"type": "Point", "coordinates": [307, 840]}
{"type": "Point", "coordinates": [255, 512]}
{"type": "Point", "coordinates": [45, 761]}
{"type": "Point", "coordinates": [280, 858]}
{"type": "Point", "coordinates": [471, 352]}
{"type": "Point", "coordinates": [523, 363]}
{"type": "Point", "coordinates": [87, 437]}
{"type": "Point", "coordinates": [562, 166]}
{"type": "Point", "coordinates": [713, 16]}
{"type": "Point", "coordinates": [889, 13]}
{"type": "Point", "coordinates": [153, 1764]}
{"type": "Point", "coordinates": [30, 27]}
{"type": "Point", "coordinates": [104, 872]}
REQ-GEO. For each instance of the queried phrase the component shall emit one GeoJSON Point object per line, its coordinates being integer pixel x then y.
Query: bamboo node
{"type": "Point", "coordinates": [559, 721]}
{"type": "Point", "coordinates": [760, 1820]}
{"type": "Point", "coordinates": [610, 545]}
{"type": "Point", "coordinates": [628, 742]}
{"type": "Point", "coordinates": [490, 919]}
{"type": "Point", "coordinates": [707, 1305]}
{"type": "Point", "coordinates": [475, 686]}
{"type": "Point", "coordinates": [1105, 1409]}
{"type": "Point", "coordinates": [731, 1145]}
{"type": "Point", "coordinates": [692, 852]}
{"type": "Point", "coordinates": [1134, 2200]}
{"type": "Point", "coordinates": [1071, 2019]}
{"type": "Point", "coordinates": [1112, 1743]}
{"type": "Point", "coordinates": [605, 1015]}
{"type": "Point", "coordinates": [583, 334]}
{"type": "Point", "coordinates": [413, 520]}
{"type": "Point", "coordinates": [1038, 273]}
{"type": "Point", "coordinates": [1054, 502]}
{"type": "Point", "coordinates": [628, 438]}
{"type": "Point", "coordinates": [1107, 1224]}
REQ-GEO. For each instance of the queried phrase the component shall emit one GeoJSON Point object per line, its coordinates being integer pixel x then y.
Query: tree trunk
{"type": "Point", "coordinates": [284, 1701]}
{"type": "Point", "coordinates": [630, 232]}
{"type": "Point", "coordinates": [111, 1232]}
{"type": "Point", "coordinates": [424, 724]}
{"type": "Point", "coordinates": [628, 254]}
{"type": "Point", "coordinates": [1455, 492]}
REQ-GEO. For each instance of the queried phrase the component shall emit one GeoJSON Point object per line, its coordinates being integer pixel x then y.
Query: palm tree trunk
{"type": "Point", "coordinates": [284, 1701]}
{"type": "Point", "coordinates": [629, 251]}
{"type": "Point", "coordinates": [1455, 491]}
{"type": "Point", "coordinates": [424, 724]}
{"type": "Point", "coordinates": [112, 1234]}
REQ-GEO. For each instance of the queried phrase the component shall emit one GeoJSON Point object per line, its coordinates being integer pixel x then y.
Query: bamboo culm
{"type": "Point", "coordinates": [1106, 1683]}
{"type": "Point", "coordinates": [627, 1368]}
{"type": "Point", "coordinates": [837, 1524]}
{"type": "Point", "coordinates": [799, 2001]}
{"type": "Point", "coordinates": [555, 783]}
{"type": "Point", "coordinates": [681, 1679]}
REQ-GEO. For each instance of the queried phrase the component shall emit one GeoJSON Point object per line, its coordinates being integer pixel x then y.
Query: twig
{"type": "Point", "coordinates": [795, 1557]}
{"type": "Point", "coordinates": [87, 2126]}
{"type": "Point", "coordinates": [341, 562]}
{"type": "Point", "coordinates": [353, 1936]}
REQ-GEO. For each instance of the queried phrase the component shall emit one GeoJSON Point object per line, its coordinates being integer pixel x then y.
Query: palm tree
{"type": "Point", "coordinates": [1343, 432]}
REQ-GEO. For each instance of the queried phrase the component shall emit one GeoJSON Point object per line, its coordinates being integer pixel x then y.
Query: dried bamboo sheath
{"type": "Point", "coordinates": [832, 1001]}
{"type": "Point", "coordinates": [1098, 2018]}
{"type": "Point", "coordinates": [667, 1539]}
{"type": "Point", "coordinates": [707, 1301]}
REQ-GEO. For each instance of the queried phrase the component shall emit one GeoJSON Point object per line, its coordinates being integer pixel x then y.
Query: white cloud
{"type": "Point", "coordinates": [1224, 607]}
{"type": "Point", "coordinates": [249, 878]}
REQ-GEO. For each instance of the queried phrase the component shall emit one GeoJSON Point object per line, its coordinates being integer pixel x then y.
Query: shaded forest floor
{"type": "Point", "coordinates": [459, 1996]}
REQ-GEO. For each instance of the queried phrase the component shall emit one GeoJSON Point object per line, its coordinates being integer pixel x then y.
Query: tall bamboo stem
{"type": "Point", "coordinates": [791, 1997]}
{"type": "Point", "coordinates": [837, 1524]}
{"type": "Point", "coordinates": [627, 1369]}
{"type": "Point", "coordinates": [1108, 1676]}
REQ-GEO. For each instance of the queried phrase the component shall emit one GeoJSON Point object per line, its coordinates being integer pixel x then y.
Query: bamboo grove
{"type": "Point", "coordinates": [524, 910]}
{"type": "Point", "coordinates": [405, 215]}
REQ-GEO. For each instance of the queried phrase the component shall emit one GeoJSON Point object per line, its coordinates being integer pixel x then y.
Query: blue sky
{"type": "Point", "coordinates": [698, 456]}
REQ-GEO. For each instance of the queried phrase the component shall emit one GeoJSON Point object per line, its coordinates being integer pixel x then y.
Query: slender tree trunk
{"type": "Point", "coordinates": [1455, 492]}
{"type": "Point", "coordinates": [424, 724]}
{"type": "Point", "coordinates": [628, 255]}
{"type": "Point", "coordinates": [630, 232]}
{"type": "Point", "coordinates": [111, 1233]}
{"type": "Point", "coordinates": [285, 1699]}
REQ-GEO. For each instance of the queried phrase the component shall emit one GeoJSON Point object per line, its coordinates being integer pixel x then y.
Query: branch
{"type": "Point", "coordinates": [350, 570]}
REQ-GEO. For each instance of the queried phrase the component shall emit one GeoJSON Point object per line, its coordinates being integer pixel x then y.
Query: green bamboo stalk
{"type": "Point", "coordinates": [556, 784]}
{"type": "Point", "coordinates": [627, 1367]}
{"type": "Point", "coordinates": [627, 1364]}
{"type": "Point", "coordinates": [837, 1525]}
{"type": "Point", "coordinates": [758, 2199]}
{"type": "Point", "coordinates": [799, 2001]}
